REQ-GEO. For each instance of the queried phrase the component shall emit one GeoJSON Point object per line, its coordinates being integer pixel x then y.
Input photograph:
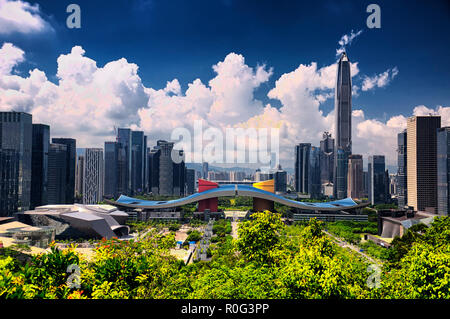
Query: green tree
{"type": "Point", "coordinates": [259, 238]}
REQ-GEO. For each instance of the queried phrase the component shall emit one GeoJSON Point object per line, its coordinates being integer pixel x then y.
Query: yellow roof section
{"type": "Point", "coordinates": [268, 186]}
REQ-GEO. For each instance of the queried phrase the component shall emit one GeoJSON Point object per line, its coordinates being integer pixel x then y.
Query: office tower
{"type": "Point", "coordinates": [179, 173]}
{"type": "Point", "coordinates": [314, 184]}
{"type": "Point", "coordinates": [79, 177]}
{"type": "Point", "coordinates": [340, 178]}
{"type": "Point", "coordinates": [343, 115]}
{"type": "Point", "coordinates": [301, 167]}
{"type": "Point", "coordinates": [421, 150]}
{"type": "Point", "coordinates": [443, 170]}
{"type": "Point", "coordinates": [57, 174]}
{"type": "Point", "coordinates": [39, 165]}
{"type": "Point", "coordinates": [280, 180]}
{"type": "Point", "coordinates": [111, 170]}
{"type": "Point", "coordinates": [124, 161]}
{"type": "Point", "coordinates": [16, 132]}
{"type": "Point", "coordinates": [190, 181]}
{"type": "Point", "coordinates": [355, 176]}
{"type": "Point", "coordinates": [93, 176]}
{"type": "Point", "coordinates": [307, 169]}
{"type": "Point", "coordinates": [153, 170]}
{"type": "Point", "coordinates": [137, 161]}
{"type": "Point", "coordinates": [401, 172]}
{"type": "Point", "coordinates": [326, 158]}
{"type": "Point", "coordinates": [70, 166]}
{"type": "Point", "coordinates": [205, 170]}
{"type": "Point", "coordinates": [365, 184]}
{"type": "Point", "coordinates": [377, 179]}
{"type": "Point", "coordinates": [145, 156]}
{"type": "Point", "coordinates": [9, 181]}
{"type": "Point", "coordinates": [165, 168]}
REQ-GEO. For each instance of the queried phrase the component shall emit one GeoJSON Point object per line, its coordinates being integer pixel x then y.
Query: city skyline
{"type": "Point", "coordinates": [295, 95]}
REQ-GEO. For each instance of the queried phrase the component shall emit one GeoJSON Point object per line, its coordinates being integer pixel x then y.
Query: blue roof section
{"type": "Point", "coordinates": [236, 189]}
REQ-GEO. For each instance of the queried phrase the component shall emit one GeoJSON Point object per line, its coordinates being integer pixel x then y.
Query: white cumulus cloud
{"type": "Point", "coordinates": [22, 17]}
{"type": "Point", "coordinates": [379, 80]}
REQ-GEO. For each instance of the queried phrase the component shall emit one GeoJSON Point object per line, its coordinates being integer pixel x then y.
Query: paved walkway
{"type": "Point", "coordinates": [345, 244]}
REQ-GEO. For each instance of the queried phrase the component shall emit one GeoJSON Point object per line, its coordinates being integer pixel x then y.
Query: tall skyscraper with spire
{"type": "Point", "coordinates": [343, 113]}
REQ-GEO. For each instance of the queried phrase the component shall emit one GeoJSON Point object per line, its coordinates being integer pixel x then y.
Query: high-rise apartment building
{"type": "Point", "coordinates": [16, 133]}
{"type": "Point", "coordinates": [443, 171]}
{"type": "Point", "coordinates": [421, 169]}
{"type": "Point", "coordinates": [70, 166]}
{"type": "Point", "coordinates": [401, 172]}
{"type": "Point", "coordinates": [355, 176]}
{"type": "Point", "coordinates": [165, 168]}
{"type": "Point", "coordinates": [39, 165]}
{"type": "Point", "coordinates": [57, 174]}
{"type": "Point", "coordinates": [93, 176]}
{"type": "Point", "coordinates": [343, 115]}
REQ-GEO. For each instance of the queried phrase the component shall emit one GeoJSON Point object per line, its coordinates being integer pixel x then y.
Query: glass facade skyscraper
{"type": "Point", "coordinates": [39, 165]}
{"type": "Point", "coordinates": [57, 173]}
{"type": "Point", "coordinates": [401, 172]}
{"type": "Point", "coordinates": [307, 169]}
{"type": "Point", "coordinates": [443, 170]}
{"type": "Point", "coordinates": [16, 132]}
{"type": "Point", "coordinates": [343, 115]}
{"type": "Point", "coordinates": [138, 161]}
{"type": "Point", "coordinates": [326, 158]}
{"type": "Point", "coordinates": [124, 161]}
{"type": "Point", "coordinates": [111, 169]}
{"type": "Point", "coordinates": [71, 146]}
{"type": "Point", "coordinates": [377, 180]}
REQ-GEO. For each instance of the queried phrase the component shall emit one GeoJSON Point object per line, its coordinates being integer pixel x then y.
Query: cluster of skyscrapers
{"type": "Point", "coordinates": [36, 172]}
{"type": "Point", "coordinates": [33, 171]}
{"type": "Point", "coordinates": [132, 168]}
{"type": "Point", "coordinates": [331, 169]}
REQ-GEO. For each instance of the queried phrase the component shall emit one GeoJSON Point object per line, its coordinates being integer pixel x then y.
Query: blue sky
{"type": "Point", "coordinates": [183, 39]}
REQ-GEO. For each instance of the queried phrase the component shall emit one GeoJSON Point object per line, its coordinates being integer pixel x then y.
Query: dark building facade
{"type": "Point", "coordinates": [124, 161]}
{"type": "Point", "coordinates": [343, 114]}
{"type": "Point", "coordinates": [307, 169]}
{"type": "Point", "coordinates": [9, 181]}
{"type": "Point", "coordinates": [190, 181]}
{"type": "Point", "coordinates": [422, 162]}
{"type": "Point", "coordinates": [153, 170]}
{"type": "Point", "coordinates": [71, 146]}
{"type": "Point", "coordinates": [57, 174]}
{"type": "Point", "coordinates": [179, 174]}
{"type": "Point", "coordinates": [39, 165]}
{"type": "Point", "coordinates": [301, 167]}
{"type": "Point", "coordinates": [205, 170]}
{"type": "Point", "coordinates": [138, 148]}
{"type": "Point", "coordinates": [443, 170]}
{"type": "Point", "coordinates": [16, 133]}
{"type": "Point", "coordinates": [111, 169]}
{"type": "Point", "coordinates": [377, 180]}
{"type": "Point", "coordinates": [280, 180]}
{"type": "Point", "coordinates": [326, 158]}
{"type": "Point", "coordinates": [401, 172]}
